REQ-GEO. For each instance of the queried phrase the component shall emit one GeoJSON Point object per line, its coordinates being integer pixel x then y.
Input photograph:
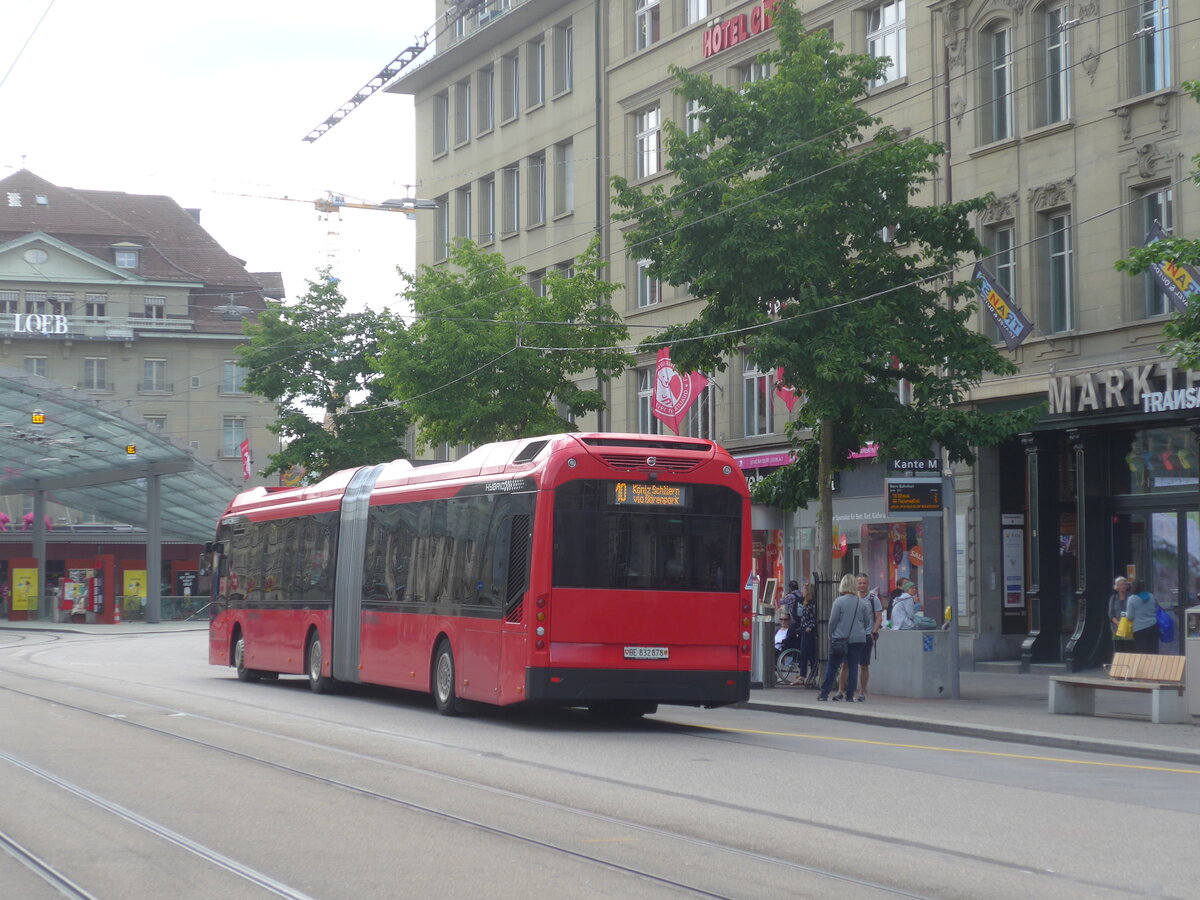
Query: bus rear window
{"type": "Point", "coordinates": [634, 536]}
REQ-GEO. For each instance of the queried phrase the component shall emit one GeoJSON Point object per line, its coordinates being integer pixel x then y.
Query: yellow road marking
{"type": "Point", "coordinates": [846, 740]}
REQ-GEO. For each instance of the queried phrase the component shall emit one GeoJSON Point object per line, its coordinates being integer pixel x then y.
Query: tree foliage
{"type": "Point", "coordinates": [489, 359]}
{"type": "Point", "coordinates": [1183, 330]}
{"type": "Point", "coordinates": [797, 228]}
{"type": "Point", "coordinates": [315, 360]}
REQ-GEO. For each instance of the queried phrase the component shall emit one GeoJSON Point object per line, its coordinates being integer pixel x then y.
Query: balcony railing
{"type": "Point", "coordinates": [155, 387]}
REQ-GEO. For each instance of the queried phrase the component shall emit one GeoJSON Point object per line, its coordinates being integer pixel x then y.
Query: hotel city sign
{"type": "Point", "coordinates": [1151, 388]}
{"type": "Point", "coordinates": [739, 27]}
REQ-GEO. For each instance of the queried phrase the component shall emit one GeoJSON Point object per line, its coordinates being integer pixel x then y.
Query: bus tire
{"type": "Point", "coordinates": [239, 661]}
{"type": "Point", "coordinates": [314, 662]}
{"type": "Point", "coordinates": [444, 695]}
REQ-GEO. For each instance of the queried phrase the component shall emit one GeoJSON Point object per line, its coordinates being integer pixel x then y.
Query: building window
{"type": "Point", "coordinates": [1153, 45]}
{"type": "Point", "coordinates": [95, 306]}
{"type": "Point", "coordinates": [649, 288]}
{"type": "Point", "coordinates": [462, 112]}
{"type": "Point", "coordinates": [510, 199]}
{"type": "Point", "coordinates": [14, 198]}
{"type": "Point", "coordinates": [156, 423]}
{"type": "Point", "coordinates": [566, 269]}
{"type": "Point", "coordinates": [701, 419]}
{"type": "Point", "coordinates": [537, 189]}
{"type": "Point", "coordinates": [646, 22]}
{"type": "Point", "coordinates": [35, 365]}
{"type": "Point", "coordinates": [649, 142]}
{"type": "Point", "coordinates": [1155, 205]}
{"type": "Point", "coordinates": [154, 307]}
{"type": "Point", "coordinates": [441, 124]}
{"type": "Point", "coordinates": [233, 377]}
{"type": "Point", "coordinates": [35, 302]}
{"type": "Point", "coordinates": [692, 111]}
{"type": "Point", "coordinates": [752, 72]}
{"type": "Point", "coordinates": [95, 374]}
{"type": "Point", "coordinates": [62, 303]}
{"type": "Point", "coordinates": [441, 228]}
{"type": "Point", "coordinates": [647, 423]}
{"type": "Point", "coordinates": [564, 58]}
{"type": "Point", "coordinates": [537, 282]}
{"type": "Point", "coordinates": [10, 302]}
{"type": "Point", "coordinates": [757, 392]}
{"type": "Point", "coordinates": [1002, 263]}
{"type": "Point", "coordinates": [1055, 61]}
{"type": "Point", "coordinates": [998, 69]}
{"type": "Point", "coordinates": [487, 210]}
{"type": "Point", "coordinates": [535, 76]}
{"type": "Point", "coordinates": [233, 432]}
{"type": "Point", "coordinates": [154, 375]}
{"type": "Point", "coordinates": [697, 11]}
{"type": "Point", "coordinates": [1056, 240]}
{"type": "Point", "coordinates": [486, 99]}
{"type": "Point", "coordinates": [886, 37]}
{"type": "Point", "coordinates": [463, 226]}
{"type": "Point", "coordinates": [510, 87]}
{"type": "Point", "coordinates": [125, 259]}
{"type": "Point", "coordinates": [564, 178]}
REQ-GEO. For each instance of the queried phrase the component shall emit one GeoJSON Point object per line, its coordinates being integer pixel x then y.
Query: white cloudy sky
{"type": "Point", "coordinates": [208, 103]}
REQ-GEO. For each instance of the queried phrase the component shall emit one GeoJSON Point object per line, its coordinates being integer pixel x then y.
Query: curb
{"type": "Point", "coordinates": [989, 733]}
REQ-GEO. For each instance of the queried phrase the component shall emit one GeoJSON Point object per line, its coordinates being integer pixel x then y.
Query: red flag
{"type": "Point", "coordinates": [788, 395]}
{"type": "Point", "coordinates": [674, 392]}
{"type": "Point", "coordinates": [247, 462]}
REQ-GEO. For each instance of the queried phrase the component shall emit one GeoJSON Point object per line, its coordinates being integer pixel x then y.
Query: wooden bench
{"type": "Point", "coordinates": [1159, 676]}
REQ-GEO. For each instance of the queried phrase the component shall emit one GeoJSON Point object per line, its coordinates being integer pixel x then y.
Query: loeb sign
{"type": "Point", "coordinates": [738, 28]}
{"type": "Point", "coordinates": [40, 323]}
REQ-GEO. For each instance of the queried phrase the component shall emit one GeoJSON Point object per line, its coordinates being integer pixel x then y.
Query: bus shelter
{"type": "Point", "coordinates": [93, 457]}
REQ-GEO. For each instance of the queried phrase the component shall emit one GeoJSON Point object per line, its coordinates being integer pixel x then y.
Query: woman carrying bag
{"type": "Point", "coordinates": [1117, 604]}
{"type": "Point", "coordinates": [849, 621]}
{"type": "Point", "coordinates": [1142, 609]}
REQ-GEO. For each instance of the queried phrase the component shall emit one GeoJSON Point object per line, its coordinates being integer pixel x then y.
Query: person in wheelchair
{"type": "Point", "coordinates": [787, 634]}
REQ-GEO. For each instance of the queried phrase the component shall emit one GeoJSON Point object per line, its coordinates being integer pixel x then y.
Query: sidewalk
{"type": "Point", "coordinates": [1010, 708]}
{"type": "Point", "coordinates": [992, 706]}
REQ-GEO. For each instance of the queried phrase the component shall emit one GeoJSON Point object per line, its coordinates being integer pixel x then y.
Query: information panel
{"type": "Point", "coordinates": [649, 493]}
{"type": "Point", "coordinates": [913, 496]}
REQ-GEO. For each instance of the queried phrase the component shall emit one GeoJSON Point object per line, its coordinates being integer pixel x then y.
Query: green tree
{"type": "Point", "coordinates": [1183, 330]}
{"type": "Point", "coordinates": [315, 360]}
{"type": "Point", "coordinates": [797, 230]}
{"type": "Point", "coordinates": [488, 359]}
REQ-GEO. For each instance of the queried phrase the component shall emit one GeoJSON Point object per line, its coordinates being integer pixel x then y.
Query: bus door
{"type": "Point", "coordinates": [348, 584]}
{"type": "Point", "coordinates": [510, 583]}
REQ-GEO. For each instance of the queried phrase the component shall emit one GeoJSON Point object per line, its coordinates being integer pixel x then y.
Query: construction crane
{"type": "Point", "coordinates": [332, 203]}
{"type": "Point", "coordinates": [406, 58]}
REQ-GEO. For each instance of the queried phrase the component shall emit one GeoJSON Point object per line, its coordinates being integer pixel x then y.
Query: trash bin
{"type": "Point", "coordinates": [1191, 669]}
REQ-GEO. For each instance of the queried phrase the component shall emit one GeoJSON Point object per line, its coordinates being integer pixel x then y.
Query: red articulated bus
{"type": "Point", "coordinates": [597, 570]}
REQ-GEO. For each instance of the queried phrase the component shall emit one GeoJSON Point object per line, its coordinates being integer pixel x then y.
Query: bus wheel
{"type": "Point", "coordinates": [314, 661]}
{"type": "Point", "coordinates": [444, 695]}
{"type": "Point", "coordinates": [239, 661]}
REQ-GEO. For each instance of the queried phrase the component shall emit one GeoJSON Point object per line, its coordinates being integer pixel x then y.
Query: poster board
{"type": "Point", "coordinates": [768, 594]}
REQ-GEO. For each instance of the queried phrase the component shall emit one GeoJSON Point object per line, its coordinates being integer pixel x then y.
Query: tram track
{"type": "Point", "coordinates": [712, 806]}
{"type": "Point", "coordinates": [43, 869]}
{"type": "Point", "coordinates": [701, 847]}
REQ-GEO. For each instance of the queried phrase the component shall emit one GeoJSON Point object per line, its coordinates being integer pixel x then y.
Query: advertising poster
{"type": "Point", "coordinates": [25, 589]}
{"type": "Point", "coordinates": [898, 543]}
{"type": "Point", "coordinates": [135, 585]}
{"type": "Point", "coordinates": [1013, 550]}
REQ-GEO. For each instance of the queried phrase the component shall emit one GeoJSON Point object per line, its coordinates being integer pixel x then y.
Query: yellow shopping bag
{"type": "Point", "coordinates": [1125, 630]}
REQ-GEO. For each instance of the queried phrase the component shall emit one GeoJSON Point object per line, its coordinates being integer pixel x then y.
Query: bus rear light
{"type": "Point", "coordinates": [541, 632]}
{"type": "Point", "coordinates": [745, 635]}
{"type": "Point", "coordinates": [541, 616]}
{"type": "Point", "coordinates": [745, 607]}
{"type": "Point", "coordinates": [555, 679]}
{"type": "Point", "coordinates": [746, 649]}
{"type": "Point", "coordinates": [541, 601]}
{"type": "Point", "coordinates": [539, 644]}
{"type": "Point", "coordinates": [746, 622]}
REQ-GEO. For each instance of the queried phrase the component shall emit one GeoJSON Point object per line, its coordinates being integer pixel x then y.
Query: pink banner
{"type": "Point", "coordinates": [788, 395]}
{"type": "Point", "coordinates": [674, 392]}
{"type": "Point", "coordinates": [247, 462]}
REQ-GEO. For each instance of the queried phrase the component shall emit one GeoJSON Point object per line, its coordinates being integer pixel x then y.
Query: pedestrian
{"type": "Point", "coordinates": [904, 609]}
{"type": "Point", "coordinates": [792, 600]}
{"type": "Point", "coordinates": [862, 588]}
{"type": "Point", "coordinates": [787, 634]}
{"type": "Point", "coordinates": [807, 621]}
{"type": "Point", "coordinates": [1117, 604]}
{"type": "Point", "coordinates": [849, 622]}
{"type": "Point", "coordinates": [1142, 609]}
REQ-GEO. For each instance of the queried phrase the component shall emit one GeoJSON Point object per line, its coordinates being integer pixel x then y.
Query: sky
{"type": "Point", "coordinates": [208, 103]}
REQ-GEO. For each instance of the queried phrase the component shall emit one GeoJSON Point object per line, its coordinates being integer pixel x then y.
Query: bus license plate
{"type": "Point", "coordinates": [646, 653]}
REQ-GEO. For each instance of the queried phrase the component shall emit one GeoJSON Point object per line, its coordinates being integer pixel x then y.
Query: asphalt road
{"type": "Point", "coordinates": [129, 768]}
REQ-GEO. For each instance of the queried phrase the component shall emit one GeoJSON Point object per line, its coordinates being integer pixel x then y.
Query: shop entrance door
{"type": "Point", "coordinates": [1160, 547]}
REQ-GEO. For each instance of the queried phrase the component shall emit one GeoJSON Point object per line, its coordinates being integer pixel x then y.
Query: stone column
{"type": "Point", "coordinates": [1091, 639]}
{"type": "Point", "coordinates": [1041, 485]}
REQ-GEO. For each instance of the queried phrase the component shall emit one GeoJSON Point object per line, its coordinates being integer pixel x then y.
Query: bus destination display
{"type": "Point", "coordinates": [649, 493]}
